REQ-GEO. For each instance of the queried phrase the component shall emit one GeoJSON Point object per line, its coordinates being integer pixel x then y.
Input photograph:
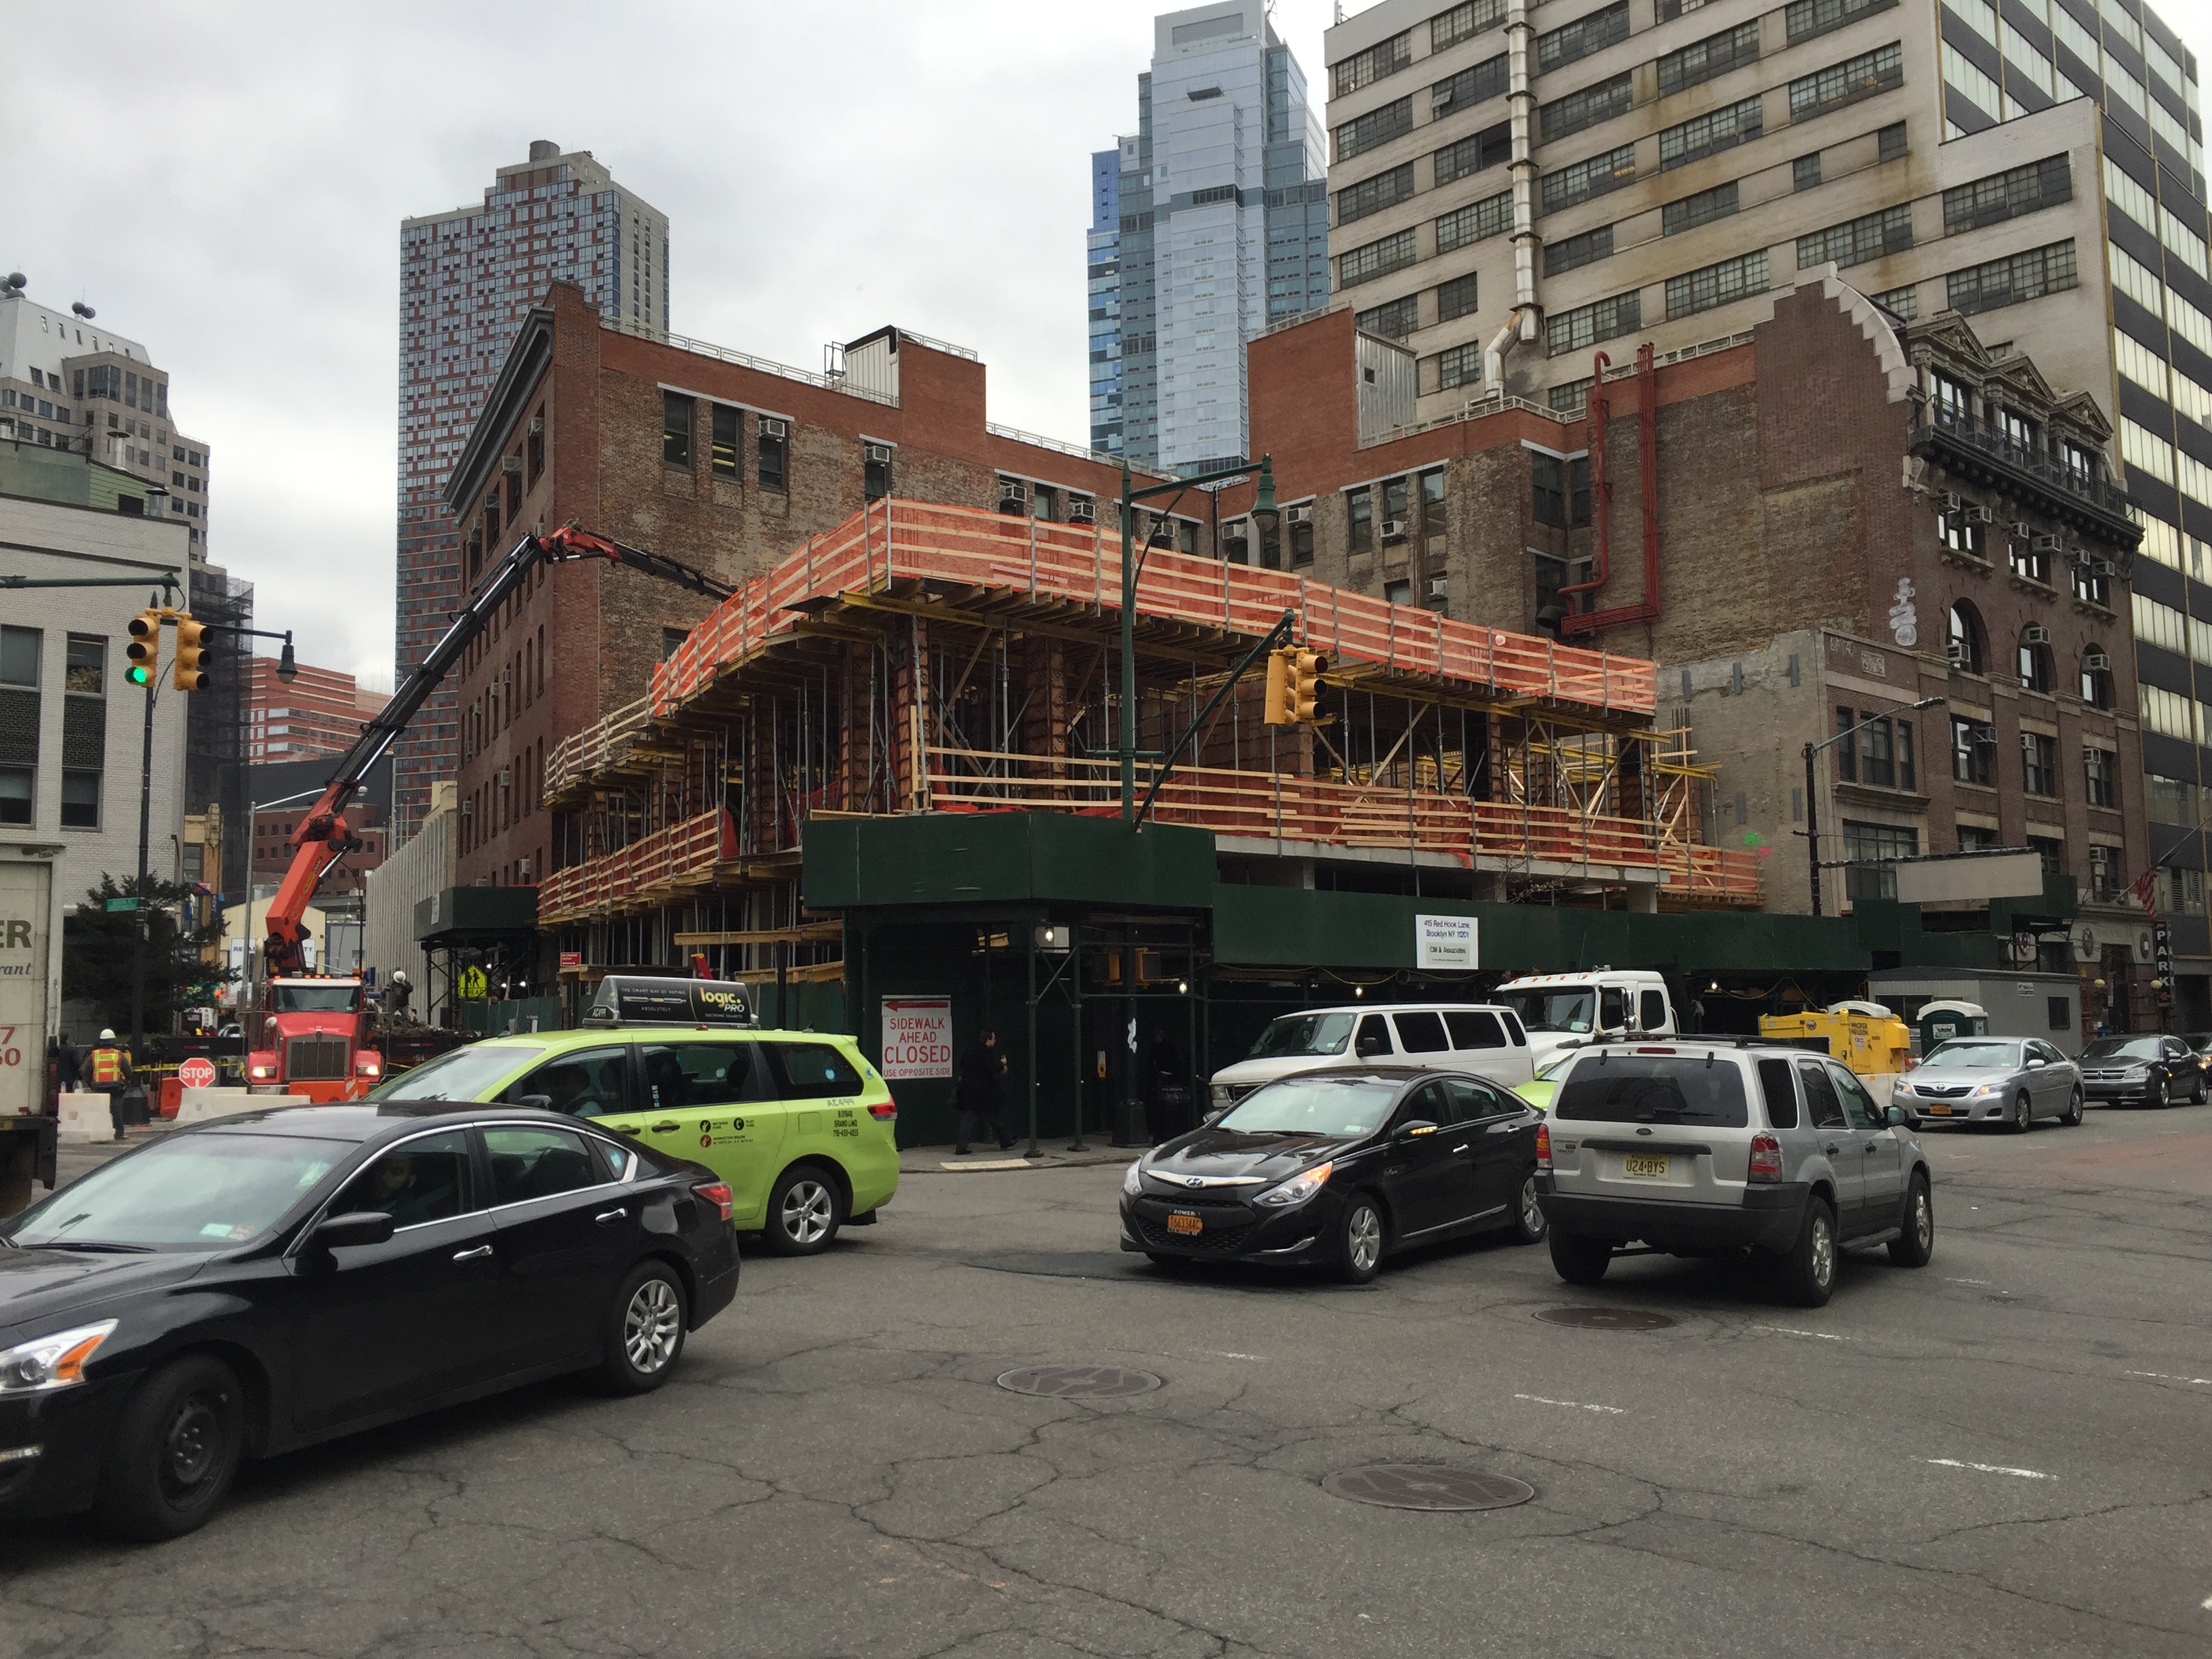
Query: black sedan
{"type": "Point", "coordinates": [2141, 1071]}
{"type": "Point", "coordinates": [1338, 1167]}
{"type": "Point", "coordinates": [283, 1277]}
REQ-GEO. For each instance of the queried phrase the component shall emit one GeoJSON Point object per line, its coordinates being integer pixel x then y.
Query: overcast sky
{"type": "Point", "coordinates": [226, 183]}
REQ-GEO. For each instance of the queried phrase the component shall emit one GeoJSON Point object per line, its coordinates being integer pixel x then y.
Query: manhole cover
{"type": "Point", "coordinates": [1427, 1487]}
{"type": "Point", "coordinates": [1078, 1382]}
{"type": "Point", "coordinates": [1604, 1319]}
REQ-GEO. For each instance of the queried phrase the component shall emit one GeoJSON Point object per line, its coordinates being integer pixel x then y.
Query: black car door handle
{"type": "Point", "coordinates": [1830, 1150]}
{"type": "Point", "coordinates": [608, 1218]}
{"type": "Point", "coordinates": [666, 1128]}
{"type": "Point", "coordinates": [476, 1254]}
{"type": "Point", "coordinates": [1870, 1146]}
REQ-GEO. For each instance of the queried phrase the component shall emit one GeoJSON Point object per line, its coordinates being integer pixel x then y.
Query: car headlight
{"type": "Point", "coordinates": [46, 1363]}
{"type": "Point", "coordinates": [2136, 1074]}
{"type": "Point", "coordinates": [1988, 1089]}
{"type": "Point", "coordinates": [1297, 1189]}
{"type": "Point", "coordinates": [1133, 1182]}
{"type": "Point", "coordinates": [1222, 1097]}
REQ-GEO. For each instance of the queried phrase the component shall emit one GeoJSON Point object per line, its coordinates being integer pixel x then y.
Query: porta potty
{"type": "Point", "coordinates": [1941, 1021]}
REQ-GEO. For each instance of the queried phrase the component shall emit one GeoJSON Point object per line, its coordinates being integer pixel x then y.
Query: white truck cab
{"type": "Point", "coordinates": [1562, 1010]}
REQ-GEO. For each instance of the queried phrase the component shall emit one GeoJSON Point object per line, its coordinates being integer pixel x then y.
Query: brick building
{"type": "Point", "coordinates": [319, 712]}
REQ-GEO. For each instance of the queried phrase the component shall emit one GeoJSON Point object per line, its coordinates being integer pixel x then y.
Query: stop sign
{"type": "Point", "coordinates": [197, 1073]}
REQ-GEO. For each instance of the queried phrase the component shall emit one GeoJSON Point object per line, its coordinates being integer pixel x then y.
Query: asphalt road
{"type": "Point", "coordinates": [2007, 1452]}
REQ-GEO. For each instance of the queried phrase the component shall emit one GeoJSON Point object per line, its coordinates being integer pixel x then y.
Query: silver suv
{"type": "Point", "coordinates": [1704, 1147]}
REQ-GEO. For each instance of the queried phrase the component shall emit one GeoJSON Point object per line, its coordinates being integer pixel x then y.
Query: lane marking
{"type": "Point", "coordinates": [1966, 1281]}
{"type": "Point", "coordinates": [1572, 1405]}
{"type": "Point", "coordinates": [2166, 1376]}
{"type": "Point", "coordinates": [2207, 1604]}
{"type": "Point", "coordinates": [1787, 1330]}
{"type": "Point", "coordinates": [1988, 1469]}
{"type": "Point", "coordinates": [1219, 1354]}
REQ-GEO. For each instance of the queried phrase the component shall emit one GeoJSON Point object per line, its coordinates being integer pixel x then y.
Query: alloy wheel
{"type": "Point", "coordinates": [1823, 1252]}
{"type": "Point", "coordinates": [1363, 1238]}
{"type": "Point", "coordinates": [653, 1324]}
{"type": "Point", "coordinates": [1924, 1220]}
{"type": "Point", "coordinates": [809, 1208]}
{"type": "Point", "coordinates": [1532, 1211]}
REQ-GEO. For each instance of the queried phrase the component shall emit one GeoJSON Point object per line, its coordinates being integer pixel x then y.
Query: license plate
{"type": "Point", "coordinates": [1180, 1223]}
{"type": "Point", "coordinates": [1644, 1166]}
{"type": "Point", "coordinates": [1937, 1111]}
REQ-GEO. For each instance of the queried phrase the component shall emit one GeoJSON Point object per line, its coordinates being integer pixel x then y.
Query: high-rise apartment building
{"type": "Point", "coordinates": [466, 277]}
{"type": "Point", "coordinates": [320, 712]}
{"type": "Point", "coordinates": [1519, 188]}
{"type": "Point", "coordinates": [1221, 222]}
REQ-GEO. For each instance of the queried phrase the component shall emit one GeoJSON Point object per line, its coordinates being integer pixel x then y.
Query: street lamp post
{"type": "Point", "coordinates": [1811, 795]}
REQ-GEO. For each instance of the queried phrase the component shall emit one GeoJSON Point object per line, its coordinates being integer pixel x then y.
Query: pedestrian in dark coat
{"type": "Point", "coordinates": [976, 1089]}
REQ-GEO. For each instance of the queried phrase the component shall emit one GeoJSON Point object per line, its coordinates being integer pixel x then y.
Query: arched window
{"type": "Point", "coordinates": [2096, 676]}
{"type": "Point", "coordinates": [1966, 639]}
{"type": "Point", "coordinates": [2034, 662]}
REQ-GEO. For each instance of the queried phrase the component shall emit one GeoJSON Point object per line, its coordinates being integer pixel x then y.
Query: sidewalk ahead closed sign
{"type": "Point", "coordinates": [1445, 942]}
{"type": "Point", "coordinates": [917, 1036]}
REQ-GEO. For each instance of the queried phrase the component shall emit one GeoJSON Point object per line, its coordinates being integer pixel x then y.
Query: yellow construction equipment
{"type": "Point", "coordinates": [1871, 1045]}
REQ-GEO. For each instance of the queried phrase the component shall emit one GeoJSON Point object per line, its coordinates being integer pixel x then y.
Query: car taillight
{"type": "Point", "coordinates": [1543, 1146]}
{"type": "Point", "coordinates": [883, 1110]}
{"type": "Point", "coordinates": [1766, 1157]}
{"type": "Point", "coordinates": [716, 1193]}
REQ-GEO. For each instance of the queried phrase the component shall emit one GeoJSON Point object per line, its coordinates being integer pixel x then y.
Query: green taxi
{"type": "Point", "coordinates": [798, 1123]}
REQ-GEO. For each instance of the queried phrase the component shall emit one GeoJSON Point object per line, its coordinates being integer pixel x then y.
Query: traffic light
{"type": "Point", "coordinates": [1305, 692]}
{"type": "Point", "coordinates": [145, 651]}
{"type": "Point", "coordinates": [1277, 707]}
{"type": "Point", "coordinates": [189, 675]}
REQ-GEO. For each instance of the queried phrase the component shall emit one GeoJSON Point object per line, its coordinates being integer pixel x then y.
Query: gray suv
{"type": "Point", "coordinates": [1708, 1147]}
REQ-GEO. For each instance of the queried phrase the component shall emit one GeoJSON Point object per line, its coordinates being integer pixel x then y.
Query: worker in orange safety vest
{"type": "Point", "coordinates": [111, 1075]}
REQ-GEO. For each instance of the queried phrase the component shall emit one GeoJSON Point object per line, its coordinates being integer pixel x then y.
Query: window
{"type": "Point", "coordinates": [1460, 366]}
{"type": "Point", "coordinates": [681, 1075]}
{"type": "Point", "coordinates": [1364, 67]}
{"type": "Point", "coordinates": [1586, 326]}
{"type": "Point", "coordinates": [2007, 195]}
{"type": "Point", "coordinates": [425, 1179]}
{"type": "Point", "coordinates": [1708, 134]}
{"type": "Point", "coordinates": [532, 1163]}
{"type": "Point", "coordinates": [2097, 777]}
{"type": "Point", "coordinates": [1473, 1028]}
{"type": "Point", "coordinates": [1871, 72]}
{"type": "Point", "coordinates": [729, 427]}
{"type": "Point", "coordinates": [1775, 1089]}
{"type": "Point", "coordinates": [2034, 665]}
{"type": "Point", "coordinates": [1421, 1033]}
{"type": "Point", "coordinates": [2096, 679]}
{"type": "Point", "coordinates": [1704, 207]}
{"type": "Point", "coordinates": [1490, 147]}
{"type": "Point", "coordinates": [1432, 502]}
{"type": "Point", "coordinates": [80, 801]}
{"type": "Point", "coordinates": [1373, 195]}
{"type": "Point", "coordinates": [1468, 87]}
{"type": "Point", "coordinates": [1547, 485]}
{"type": "Point", "coordinates": [1964, 636]}
{"type": "Point", "coordinates": [1301, 540]}
{"type": "Point", "coordinates": [1805, 172]}
{"type": "Point", "coordinates": [1807, 18]}
{"type": "Point", "coordinates": [811, 1071]}
{"type": "Point", "coordinates": [1960, 534]}
{"type": "Point", "coordinates": [1716, 284]}
{"type": "Point", "coordinates": [1871, 847]}
{"type": "Point", "coordinates": [774, 452]}
{"type": "Point", "coordinates": [1715, 55]}
{"type": "Point", "coordinates": [1490, 217]}
{"type": "Point", "coordinates": [1375, 128]}
{"type": "Point", "coordinates": [537, 447]}
{"type": "Point", "coordinates": [1359, 519]}
{"type": "Point", "coordinates": [1584, 180]}
{"type": "Point", "coordinates": [1464, 23]}
{"type": "Point", "coordinates": [1455, 298]}
{"type": "Point", "coordinates": [2038, 759]}
{"type": "Point", "coordinates": [1902, 303]}
{"type": "Point", "coordinates": [675, 430]}
{"type": "Point", "coordinates": [1586, 106]}
{"type": "Point", "coordinates": [1394, 319]}
{"type": "Point", "coordinates": [2051, 851]}
{"type": "Point", "coordinates": [1879, 754]}
{"type": "Point", "coordinates": [2180, 892]}
{"type": "Point", "coordinates": [2169, 712]}
{"type": "Point", "coordinates": [87, 672]}
{"type": "Point", "coordinates": [1590, 34]}
{"type": "Point", "coordinates": [2029, 561]}
{"type": "Point", "coordinates": [1578, 251]}
{"type": "Point", "coordinates": [672, 641]}
{"type": "Point", "coordinates": [2027, 275]}
{"type": "Point", "coordinates": [19, 722]}
{"type": "Point", "coordinates": [875, 473]}
{"type": "Point", "coordinates": [1570, 397]}
{"type": "Point", "coordinates": [1376, 258]}
{"type": "Point", "coordinates": [1867, 237]}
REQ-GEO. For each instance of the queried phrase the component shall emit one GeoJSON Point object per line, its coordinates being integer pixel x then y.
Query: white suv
{"type": "Point", "coordinates": [1475, 1037]}
{"type": "Point", "coordinates": [1704, 1146]}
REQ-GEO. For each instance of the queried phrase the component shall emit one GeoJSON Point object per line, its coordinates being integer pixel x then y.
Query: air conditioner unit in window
{"type": "Point", "coordinates": [2035, 634]}
{"type": "Point", "coordinates": [2022, 530]}
{"type": "Point", "coordinates": [502, 777]}
{"type": "Point", "coordinates": [1393, 529]}
{"type": "Point", "coordinates": [1977, 514]}
{"type": "Point", "coordinates": [1013, 497]}
{"type": "Point", "coordinates": [1957, 651]}
{"type": "Point", "coordinates": [1081, 509]}
{"type": "Point", "coordinates": [878, 453]}
{"type": "Point", "coordinates": [2095, 661]}
{"type": "Point", "coordinates": [537, 425]}
{"type": "Point", "coordinates": [772, 428]}
{"type": "Point", "coordinates": [522, 868]}
{"type": "Point", "coordinates": [1300, 515]}
{"type": "Point", "coordinates": [511, 465]}
{"type": "Point", "coordinates": [1949, 501]}
{"type": "Point", "coordinates": [2043, 542]}
{"type": "Point", "coordinates": [1439, 587]}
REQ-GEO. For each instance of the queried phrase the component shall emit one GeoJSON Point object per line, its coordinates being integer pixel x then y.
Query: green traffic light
{"type": "Point", "coordinates": [138, 674]}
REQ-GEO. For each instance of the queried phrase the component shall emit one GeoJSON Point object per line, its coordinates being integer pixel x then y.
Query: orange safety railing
{"type": "Point", "coordinates": [1711, 875]}
{"type": "Point", "coordinates": [642, 872]}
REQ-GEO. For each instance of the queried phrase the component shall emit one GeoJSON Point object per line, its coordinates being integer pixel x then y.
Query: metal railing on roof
{"type": "Point", "coordinates": [935, 344]}
{"type": "Point", "coordinates": [1081, 451]}
{"type": "Point", "coordinates": [746, 360]}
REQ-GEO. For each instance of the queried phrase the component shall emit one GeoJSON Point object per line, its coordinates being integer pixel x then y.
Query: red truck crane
{"type": "Point", "coordinates": [315, 1032]}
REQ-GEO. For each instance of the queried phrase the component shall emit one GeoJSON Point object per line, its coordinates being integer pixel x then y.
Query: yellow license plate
{"type": "Point", "coordinates": [1645, 1166]}
{"type": "Point", "coordinates": [1187, 1223]}
{"type": "Point", "coordinates": [1937, 1111]}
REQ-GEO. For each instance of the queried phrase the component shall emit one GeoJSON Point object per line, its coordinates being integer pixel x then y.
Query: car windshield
{"type": "Point", "coordinates": [2114, 1047]}
{"type": "Point", "coordinates": [464, 1074]}
{"type": "Point", "coordinates": [194, 1192]}
{"type": "Point", "coordinates": [1304, 1034]}
{"type": "Point", "coordinates": [1550, 1011]}
{"type": "Point", "coordinates": [315, 999]}
{"type": "Point", "coordinates": [1341, 1108]}
{"type": "Point", "coordinates": [1975, 1056]}
{"type": "Point", "coordinates": [1651, 1089]}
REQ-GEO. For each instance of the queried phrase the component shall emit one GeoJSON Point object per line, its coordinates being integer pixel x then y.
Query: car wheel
{"type": "Point", "coordinates": [1808, 1272]}
{"type": "Point", "coordinates": [2197, 1095]}
{"type": "Point", "coordinates": [1912, 1248]}
{"type": "Point", "coordinates": [803, 1212]}
{"type": "Point", "coordinates": [1528, 1224]}
{"type": "Point", "coordinates": [1579, 1261]}
{"type": "Point", "coordinates": [2159, 1099]}
{"type": "Point", "coordinates": [2071, 1117]}
{"type": "Point", "coordinates": [2023, 1115]}
{"type": "Point", "coordinates": [176, 1445]}
{"type": "Point", "coordinates": [645, 1330]}
{"type": "Point", "coordinates": [1359, 1241]}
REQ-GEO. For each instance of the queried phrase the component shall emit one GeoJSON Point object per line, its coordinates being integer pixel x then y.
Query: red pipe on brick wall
{"type": "Point", "coordinates": [1646, 609]}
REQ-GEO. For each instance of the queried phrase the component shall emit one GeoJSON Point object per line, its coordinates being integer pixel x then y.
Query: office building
{"type": "Point", "coordinates": [319, 713]}
{"type": "Point", "coordinates": [1221, 229]}
{"type": "Point", "coordinates": [1517, 190]}
{"type": "Point", "coordinates": [467, 278]}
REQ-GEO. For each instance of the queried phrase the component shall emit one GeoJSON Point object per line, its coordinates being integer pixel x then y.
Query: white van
{"type": "Point", "coordinates": [1562, 1009]}
{"type": "Point", "coordinates": [1480, 1038]}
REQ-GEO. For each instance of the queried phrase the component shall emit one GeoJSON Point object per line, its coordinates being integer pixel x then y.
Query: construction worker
{"type": "Point", "coordinates": [111, 1076]}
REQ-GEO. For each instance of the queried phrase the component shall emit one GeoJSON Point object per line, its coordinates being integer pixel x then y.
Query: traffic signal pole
{"type": "Point", "coordinates": [138, 907]}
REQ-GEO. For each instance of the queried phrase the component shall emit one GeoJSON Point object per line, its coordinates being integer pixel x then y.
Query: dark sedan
{"type": "Point", "coordinates": [1337, 1168]}
{"type": "Point", "coordinates": [283, 1277]}
{"type": "Point", "coordinates": [2141, 1071]}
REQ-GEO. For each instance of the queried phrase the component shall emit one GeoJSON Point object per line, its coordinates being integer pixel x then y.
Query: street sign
{"type": "Point", "coordinates": [471, 984]}
{"type": "Point", "coordinates": [2162, 959]}
{"type": "Point", "coordinates": [917, 1037]}
{"type": "Point", "coordinates": [197, 1072]}
{"type": "Point", "coordinates": [114, 905]}
{"type": "Point", "coordinates": [571, 960]}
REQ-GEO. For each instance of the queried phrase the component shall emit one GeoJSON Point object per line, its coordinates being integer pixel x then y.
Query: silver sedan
{"type": "Point", "coordinates": [2011, 1080]}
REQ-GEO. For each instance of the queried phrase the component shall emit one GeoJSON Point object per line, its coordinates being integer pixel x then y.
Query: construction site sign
{"type": "Point", "coordinates": [917, 1037]}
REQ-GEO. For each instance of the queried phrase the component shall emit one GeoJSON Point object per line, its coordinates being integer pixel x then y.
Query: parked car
{"type": "Point", "coordinates": [1486, 1040]}
{"type": "Point", "coordinates": [2200, 1044]}
{"type": "Point", "coordinates": [1712, 1145]}
{"type": "Point", "coordinates": [262, 1282]}
{"type": "Point", "coordinates": [2012, 1081]}
{"type": "Point", "coordinates": [2142, 1071]}
{"type": "Point", "coordinates": [1338, 1169]}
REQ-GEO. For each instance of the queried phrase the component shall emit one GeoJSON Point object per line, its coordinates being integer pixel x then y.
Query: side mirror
{"type": "Point", "coordinates": [1414, 1128]}
{"type": "Point", "coordinates": [2036, 1064]}
{"type": "Point", "coordinates": [1214, 1117]}
{"type": "Point", "coordinates": [535, 1102]}
{"type": "Point", "coordinates": [1901, 1118]}
{"type": "Point", "coordinates": [357, 1227]}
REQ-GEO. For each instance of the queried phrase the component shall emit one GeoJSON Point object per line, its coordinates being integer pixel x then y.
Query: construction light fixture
{"type": "Point", "coordinates": [287, 668]}
{"type": "Point", "coordinates": [1265, 513]}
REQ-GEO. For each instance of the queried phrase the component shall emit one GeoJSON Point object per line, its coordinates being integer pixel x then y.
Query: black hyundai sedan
{"type": "Point", "coordinates": [283, 1277]}
{"type": "Point", "coordinates": [1337, 1168]}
